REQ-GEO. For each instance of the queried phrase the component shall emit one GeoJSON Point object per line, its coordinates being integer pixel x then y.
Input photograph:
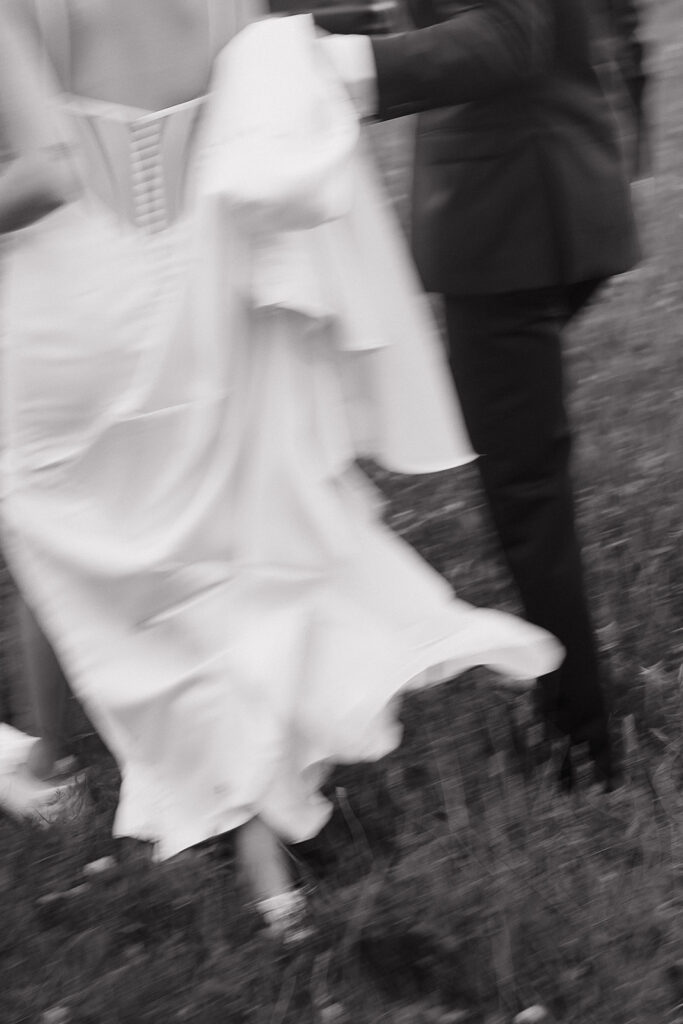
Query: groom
{"type": "Point", "coordinates": [521, 209]}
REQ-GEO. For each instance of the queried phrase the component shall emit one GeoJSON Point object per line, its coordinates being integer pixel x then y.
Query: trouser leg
{"type": "Point", "coordinates": [506, 360]}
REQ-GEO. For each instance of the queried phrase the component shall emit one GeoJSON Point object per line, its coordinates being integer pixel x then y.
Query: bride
{"type": "Point", "coordinates": [208, 316]}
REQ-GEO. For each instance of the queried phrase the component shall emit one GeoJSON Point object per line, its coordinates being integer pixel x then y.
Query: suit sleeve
{"type": "Point", "coordinates": [475, 51]}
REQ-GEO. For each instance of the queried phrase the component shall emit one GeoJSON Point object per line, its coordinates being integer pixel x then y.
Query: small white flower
{"type": "Point", "coordinates": [99, 867]}
{"type": "Point", "coordinates": [532, 1015]}
{"type": "Point", "coordinates": [57, 1015]}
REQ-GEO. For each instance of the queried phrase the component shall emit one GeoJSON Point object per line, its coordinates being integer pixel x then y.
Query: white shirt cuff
{"type": "Point", "coordinates": [353, 59]}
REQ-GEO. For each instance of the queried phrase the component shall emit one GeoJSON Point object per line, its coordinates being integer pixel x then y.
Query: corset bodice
{"type": "Point", "coordinates": [136, 162]}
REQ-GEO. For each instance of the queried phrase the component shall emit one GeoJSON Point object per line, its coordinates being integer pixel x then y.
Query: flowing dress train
{"type": "Point", "coordinates": [182, 508]}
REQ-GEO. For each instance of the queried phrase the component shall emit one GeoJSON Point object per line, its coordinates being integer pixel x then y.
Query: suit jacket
{"type": "Point", "coordinates": [520, 179]}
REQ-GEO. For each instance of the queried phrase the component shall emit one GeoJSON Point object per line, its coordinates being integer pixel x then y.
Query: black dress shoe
{"type": "Point", "coordinates": [567, 776]}
{"type": "Point", "coordinates": [604, 767]}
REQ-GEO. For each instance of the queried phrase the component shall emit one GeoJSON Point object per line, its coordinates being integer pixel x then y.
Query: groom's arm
{"type": "Point", "coordinates": [358, 17]}
{"type": "Point", "coordinates": [476, 50]}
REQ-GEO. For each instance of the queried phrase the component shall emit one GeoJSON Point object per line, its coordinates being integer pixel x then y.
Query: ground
{"type": "Point", "coordinates": [453, 883]}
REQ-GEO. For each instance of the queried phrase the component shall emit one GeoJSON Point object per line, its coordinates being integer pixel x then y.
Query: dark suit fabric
{"type": "Point", "coordinates": [506, 359]}
{"type": "Point", "coordinates": [521, 207]}
{"type": "Point", "coordinates": [519, 175]}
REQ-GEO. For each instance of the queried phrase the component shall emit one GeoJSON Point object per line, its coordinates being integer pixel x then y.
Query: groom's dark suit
{"type": "Point", "coordinates": [521, 208]}
{"type": "Point", "coordinates": [519, 181]}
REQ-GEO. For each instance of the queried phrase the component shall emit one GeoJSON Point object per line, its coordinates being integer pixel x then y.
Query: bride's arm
{"type": "Point", "coordinates": [33, 185]}
{"type": "Point", "coordinates": [36, 171]}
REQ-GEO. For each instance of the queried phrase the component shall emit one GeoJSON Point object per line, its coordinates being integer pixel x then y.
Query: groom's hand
{"type": "Point", "coordinates": [374, 17]}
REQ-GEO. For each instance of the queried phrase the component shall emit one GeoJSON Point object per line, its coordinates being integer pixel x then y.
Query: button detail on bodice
{"type": "Point", "coordinates": [147, 176]}
{"type": "Point", "coordinates": [135, 161]}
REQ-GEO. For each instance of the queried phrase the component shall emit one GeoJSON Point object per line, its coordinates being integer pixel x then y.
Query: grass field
{"type": "Point", "coordinates": [453, 884]}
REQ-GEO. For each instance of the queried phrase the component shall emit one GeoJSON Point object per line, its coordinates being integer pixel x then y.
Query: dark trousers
{"type": "Point", "coordinates": [506, 359]}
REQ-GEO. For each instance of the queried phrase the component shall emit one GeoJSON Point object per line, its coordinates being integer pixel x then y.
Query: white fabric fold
{"type": "Point", "coordinates": [284, 175]}
{"type": "Point", "coordinates": [181, 411]}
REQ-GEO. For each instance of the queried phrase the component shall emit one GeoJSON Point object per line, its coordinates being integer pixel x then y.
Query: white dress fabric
{"type": "Point", "coordinates": [193, 356]}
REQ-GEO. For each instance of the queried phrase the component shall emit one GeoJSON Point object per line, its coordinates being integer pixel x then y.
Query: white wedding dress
{"type": "Point", "coordinates": [180, 504]}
